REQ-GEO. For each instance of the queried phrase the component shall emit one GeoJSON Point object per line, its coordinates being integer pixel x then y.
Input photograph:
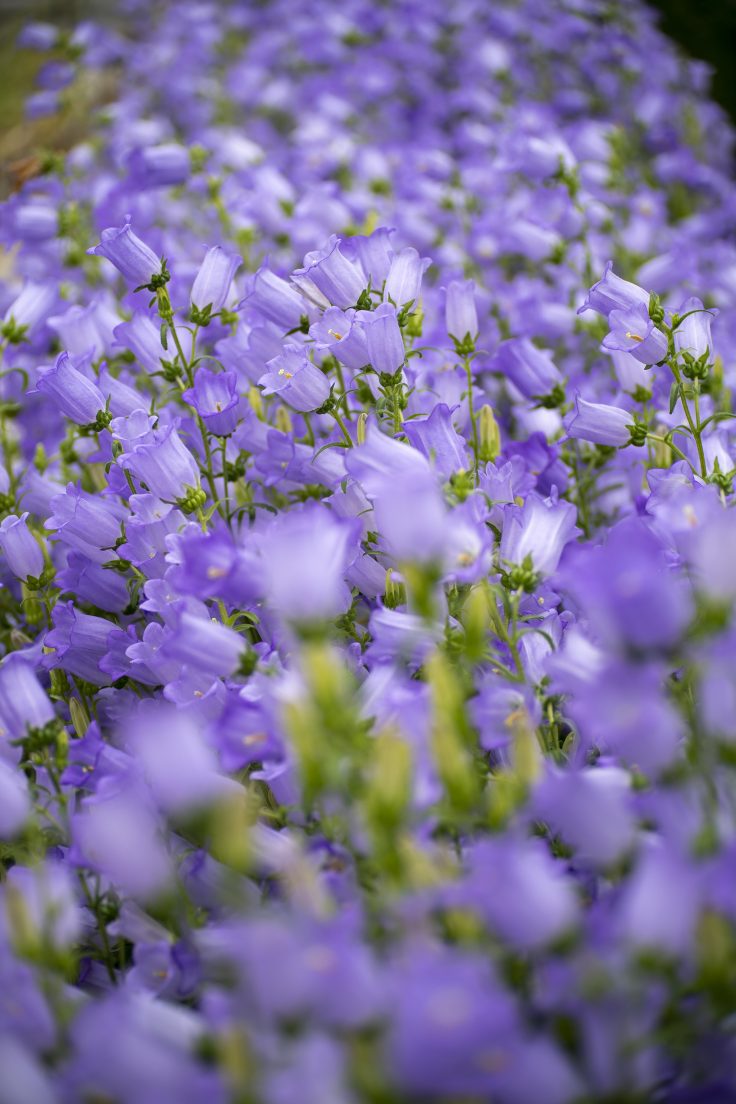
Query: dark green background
{"type": "Point", "coordinates": [706, 29]}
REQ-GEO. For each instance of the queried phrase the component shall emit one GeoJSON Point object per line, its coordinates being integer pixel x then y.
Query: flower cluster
{"type": "Point", "coordinates": [367, 622]}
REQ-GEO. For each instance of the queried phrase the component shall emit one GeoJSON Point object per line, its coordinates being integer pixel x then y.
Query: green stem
{"type": "Point", "coordinates": [694, 429]}
{"type": "Point", "coordinates": [343, 427]}
{"type": "Point", "coordinates": [664, 441]}
{"type": "Point", "coordinates": [341, 380]}
{"type": "Point", "coordinates": [473, 419]}
{"type": "Point", "coordinates": [226, 493]}
{"type": "Point", "coordinates": [167, 314]}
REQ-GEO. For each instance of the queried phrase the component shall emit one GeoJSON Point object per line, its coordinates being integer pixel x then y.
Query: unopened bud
{"type": "Point", "coordinates": [256, 401]}
{"type": "Point", "coordinates": [395, 593]}
{"type": "Point", "coordinates": [489, 434]}
{"type": "Point", "coordinates": [79, 716]}
{"type": "Point", "coordinates": [283, 420]}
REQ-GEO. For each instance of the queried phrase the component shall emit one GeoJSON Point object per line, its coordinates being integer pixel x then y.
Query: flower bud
{"type": "Point", "coordinates": [489, 434]}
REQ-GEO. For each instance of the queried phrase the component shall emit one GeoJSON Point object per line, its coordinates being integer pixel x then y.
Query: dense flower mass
{"type": "Point", "coordinates": [367, 627]}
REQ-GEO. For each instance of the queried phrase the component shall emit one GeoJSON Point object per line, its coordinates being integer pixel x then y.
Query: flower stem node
{"type": "Point", "coordinates": [656, 311]}
{"type": "Point", "coordinates": [158, 281]}
{"type": "Point", "coordinates": [201, 316]}
{"type": "Point", "coordinates": [553, 399]}
{"type": "Point", "coordinates": [464, 346]}
{"type": "Point", "coordinates": [696, 369]}
{"type": "Point", "coordinates": [101, 422]}
{"type": "Point", "coordinates": [192, 501]}
{"type": "Point", "coordinates": [521, 576]}
{"type": "Point", "coordinates": [248, 663]}
{"type": "Point", "coordinates": [637, 435]}
{"type": "Point", "coordinates": [12, 332]}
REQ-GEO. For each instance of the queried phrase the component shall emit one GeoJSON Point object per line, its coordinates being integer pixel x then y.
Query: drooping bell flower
{"type": "Point", "coordinates": [633, 331]}
{"type": "Point", "coordinates": [211, 287]}
{"type": "Point", "coordinates": [87, 329]}
{"type": "Point", "coordinates": [134, 260]}
{"type": "Point", "coordinates": [121, 399]}
{"type": "Point", "coordinates": [531, 370]}
{"type": "Point", "coordinates": [630, 372]}
{"type": "Point", "coordinates": [275, 299]}
{"type": "Point", "coordinates": [143, 337]}
{"type": "Point", "coordinates": [88, 523]}
{"type": "Point", "coordinates": [339, 279]}
{"type": "Point", "coordinates": [206, 645]}
{"type": "Point", "coordinates": [79, 641]}
{"type": "Point", "coordinates": [93, 583]}
{"type": "Point", "coordinates": [600, 423]}
{"type": "Point", "coordinates": [614, 293]}
{"type": "Point", "coordinates": [35, 221]}
{"type": "Point", "coordinates": [215, 398]}
{"type": "Point", "coordinates": [163, 166]}
{"type": "Point", "coordinates": [383, 339]}
{"type": "Point", "coordinates": [75, 395]}
{"type": "Point", "coordinates": [436, 437]}
{"type": "Point", "coordinates": [295, 379]}
{"type": "Point", "coordinates": [21, 549]}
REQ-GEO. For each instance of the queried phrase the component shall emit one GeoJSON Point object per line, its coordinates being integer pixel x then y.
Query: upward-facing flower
{"type": "Point", "coordinates": [539, 529]}
{"type": "Point", "coordinates": [404, 280]}
{"type": "Point", "coordinates": [215, 398]}
{"type": "Point", "coordinates": [461, 315]}
{"type": "Point", "coordinates": [295, 379]}
{"type": "Point", "coordinates": [73, 392]}
{"type": "Point", "coordinates": [383, 338]}
{"type": "Point", "coordinates": [212, 283]}
{"type": "Point", "coordinates": [693, 333]}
